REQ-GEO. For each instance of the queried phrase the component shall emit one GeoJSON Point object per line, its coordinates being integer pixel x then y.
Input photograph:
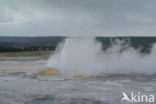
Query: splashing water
{"type": "Point", "coordinates": [85, 56]}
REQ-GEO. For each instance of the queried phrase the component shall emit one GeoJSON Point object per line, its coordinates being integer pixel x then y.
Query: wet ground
{"type": "Point", "coordinates": [19, 85]}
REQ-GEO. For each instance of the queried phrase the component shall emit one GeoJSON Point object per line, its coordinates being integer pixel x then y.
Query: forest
{"type": "Point", "coordinates": [20, 44]}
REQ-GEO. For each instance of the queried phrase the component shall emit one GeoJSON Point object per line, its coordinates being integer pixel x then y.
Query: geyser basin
{"type": "Point", "coordinates": [82, 59]}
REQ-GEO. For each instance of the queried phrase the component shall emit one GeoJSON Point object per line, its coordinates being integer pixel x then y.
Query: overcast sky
{"type": "Point", "coordinates": [77, 17]}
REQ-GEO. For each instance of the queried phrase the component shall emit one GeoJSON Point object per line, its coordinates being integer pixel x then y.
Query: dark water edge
{"type": "Point", "coordinates": [66, 101]}
{"type": "Point", "coordinates": [40, 102]}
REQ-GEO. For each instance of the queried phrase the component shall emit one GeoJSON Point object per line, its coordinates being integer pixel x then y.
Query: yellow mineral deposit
{"type": "Point", "coordinates": [47, 72]}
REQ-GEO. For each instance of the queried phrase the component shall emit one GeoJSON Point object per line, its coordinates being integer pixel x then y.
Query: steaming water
{"type": "Point", "coordinates": [85, 56]}
{"type": "Point", "coordinates": [109, 73]}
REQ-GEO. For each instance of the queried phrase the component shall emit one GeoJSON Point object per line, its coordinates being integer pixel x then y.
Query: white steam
{"type": "Point", "coordinates": [85, 56]}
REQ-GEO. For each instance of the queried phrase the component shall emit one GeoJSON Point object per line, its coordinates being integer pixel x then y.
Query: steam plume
{"type": "Point", "coordinates": [85, 56]}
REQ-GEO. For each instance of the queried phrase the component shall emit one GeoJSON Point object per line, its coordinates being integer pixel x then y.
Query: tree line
{"type": "Point", "coordinates": [24, 48]}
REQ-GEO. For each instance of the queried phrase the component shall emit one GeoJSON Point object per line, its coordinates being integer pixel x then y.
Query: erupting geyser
{"type": "Point", "coordinates": [85, 56]}
{"type": "Point", "coordinates": [77, 56]}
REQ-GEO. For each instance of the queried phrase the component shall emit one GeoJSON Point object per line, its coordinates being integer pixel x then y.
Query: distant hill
{"type": "Point", "coordinates": [15, 44]}
{"type": "Point", "coordinates": [31, 41]}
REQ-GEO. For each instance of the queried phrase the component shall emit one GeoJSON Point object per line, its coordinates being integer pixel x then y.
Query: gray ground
{"type": "Point", "coordinates": [17, 86]}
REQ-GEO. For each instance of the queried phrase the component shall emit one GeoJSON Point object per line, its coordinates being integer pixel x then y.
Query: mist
{"type": "Point", "coordinates": [85, 56]}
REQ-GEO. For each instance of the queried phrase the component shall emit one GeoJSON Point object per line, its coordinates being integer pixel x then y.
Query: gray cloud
{"type": "Point", "coordinates": [77, 17]}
